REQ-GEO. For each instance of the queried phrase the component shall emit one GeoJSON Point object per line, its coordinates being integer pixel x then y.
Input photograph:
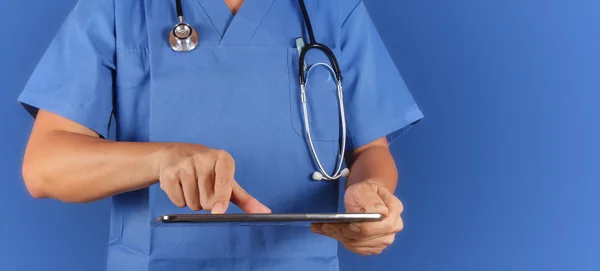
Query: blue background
{"type": "Point", "coordinates": [501, 174]}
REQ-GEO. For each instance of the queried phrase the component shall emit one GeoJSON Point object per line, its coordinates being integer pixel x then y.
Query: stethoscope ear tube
{"type": "Point", "coordinates": [321, 174]}
{"type": "Point", "coordinates": [334, 63]}
{"type": "Point", "coordinates": [303, 71]}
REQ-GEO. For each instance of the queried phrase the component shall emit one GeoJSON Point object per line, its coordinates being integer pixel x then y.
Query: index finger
{"type": "Point", "coordinates": [247, 203]}
{"type": "Point", "coordinates": [224, 174]}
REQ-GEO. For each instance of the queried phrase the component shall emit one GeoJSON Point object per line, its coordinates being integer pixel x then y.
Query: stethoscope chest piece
{"type": "Point", "coordinates": [183, 37]}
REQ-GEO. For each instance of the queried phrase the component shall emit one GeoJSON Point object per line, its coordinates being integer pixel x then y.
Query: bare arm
{"type": "Point", "coordinates": [69, 162]}
{"type": "Point", "coordinates": [373, 162]}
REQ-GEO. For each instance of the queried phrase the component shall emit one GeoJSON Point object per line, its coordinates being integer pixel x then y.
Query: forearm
{"type": "Point", "coordinates": [80, 168]}
{"type": "Point", "coordinates": [374, 163]}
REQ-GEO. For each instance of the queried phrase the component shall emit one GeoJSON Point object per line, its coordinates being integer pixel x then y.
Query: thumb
{"type": "Point", "coordinates": [247, 203]}
{"type": "Point", "coordinates": [377, 206]}
{"type": "Point", "coordinates": [365, 199]}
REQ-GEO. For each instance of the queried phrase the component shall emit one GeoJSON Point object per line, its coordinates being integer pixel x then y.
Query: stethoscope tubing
{"type": "Point", "coordinates": [340, 159]}
{"type": "Point", "coordinates": [188, 43]}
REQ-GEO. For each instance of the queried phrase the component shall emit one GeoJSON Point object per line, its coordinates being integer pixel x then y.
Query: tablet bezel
{"type": "Point", "coordinates": [266, 218]}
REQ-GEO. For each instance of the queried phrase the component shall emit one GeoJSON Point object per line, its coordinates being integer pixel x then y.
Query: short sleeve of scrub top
{"type": "Point", "coordinates": [378, 102]}
{"type": "Point", "coordinates": [74, 77]}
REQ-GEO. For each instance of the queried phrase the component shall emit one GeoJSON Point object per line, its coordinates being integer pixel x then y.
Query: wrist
{"type": "Point", "coordinates": [159, 157]}
{"type": "Point", "coordinates": [375, 182]}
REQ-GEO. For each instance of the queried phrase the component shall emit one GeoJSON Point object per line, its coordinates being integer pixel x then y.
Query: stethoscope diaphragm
{"type": "Point", "coordinates": [183, 37]}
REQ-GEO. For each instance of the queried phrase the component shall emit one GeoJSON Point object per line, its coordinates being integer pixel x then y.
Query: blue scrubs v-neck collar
{"type": "Point", "coordinates": [239, 28]}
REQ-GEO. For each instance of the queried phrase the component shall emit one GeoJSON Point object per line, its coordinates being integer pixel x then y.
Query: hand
{"type": "Point", "coordinates": [203, 178]}
{"type": "Point", "coordinates": [367, 238]}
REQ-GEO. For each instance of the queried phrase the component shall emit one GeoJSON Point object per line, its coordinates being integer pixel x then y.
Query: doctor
{"type": "Point", "coordinates": [220, 126]}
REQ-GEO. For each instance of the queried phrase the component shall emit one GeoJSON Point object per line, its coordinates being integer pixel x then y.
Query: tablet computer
{"type": "Point", "coordinates": [266, 218]}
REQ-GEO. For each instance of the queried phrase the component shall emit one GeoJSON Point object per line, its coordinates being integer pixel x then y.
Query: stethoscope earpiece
{"type": "Point", "coordinates": [318, 176]}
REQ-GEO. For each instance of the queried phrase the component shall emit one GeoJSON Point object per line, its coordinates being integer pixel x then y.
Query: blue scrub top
{"type": "Point", "coordinates": [237, 91]}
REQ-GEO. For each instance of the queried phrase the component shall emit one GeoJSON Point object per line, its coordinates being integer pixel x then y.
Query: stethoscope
{"type": "Point", "coordinates": [184, 38]}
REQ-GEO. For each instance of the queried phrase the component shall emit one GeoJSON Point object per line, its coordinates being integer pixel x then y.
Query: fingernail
{"type": "Point", "coordinates": [217, 208]}
{"type": "Point", "coordinates": [353, 227]}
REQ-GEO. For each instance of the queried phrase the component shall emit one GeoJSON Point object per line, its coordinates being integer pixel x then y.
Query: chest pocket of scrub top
{"type": "Point", "coordinates": [321, 94]}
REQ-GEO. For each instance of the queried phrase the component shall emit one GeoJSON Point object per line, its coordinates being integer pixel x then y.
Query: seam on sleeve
{"type": "Point", "coordinates": [64, 109]}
